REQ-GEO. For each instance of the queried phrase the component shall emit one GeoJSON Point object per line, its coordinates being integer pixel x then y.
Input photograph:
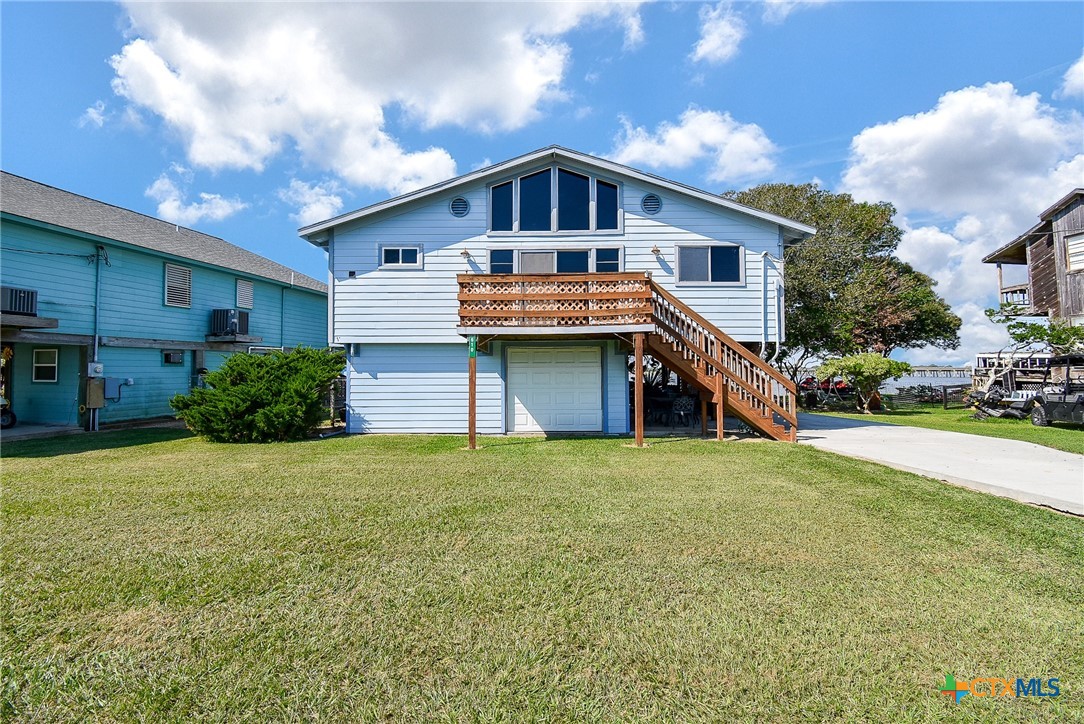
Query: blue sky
{"type": "Point", "coordinates": [247, 120]}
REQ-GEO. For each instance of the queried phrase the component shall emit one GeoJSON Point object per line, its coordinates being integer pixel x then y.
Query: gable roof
{"type": "Point", "coordinates": [794, 231]}
{"type": "Point", "coordinates": [38, 202]}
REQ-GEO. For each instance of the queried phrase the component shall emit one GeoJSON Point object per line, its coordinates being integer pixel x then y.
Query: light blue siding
{"type": "Point", "coordinates": [409, 388]}
{"type": "Point", "coordinates": [617, 388]}
{"type": "Point", "coordinates": [47, 403]}
{"type": "Point", "coordinates": [421, 306]}
{"type": "Point", "coordinates": [153, 383]}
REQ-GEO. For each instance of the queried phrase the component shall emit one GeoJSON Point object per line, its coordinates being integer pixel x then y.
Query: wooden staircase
{"type": "Point", "coordinates": [721, 368]}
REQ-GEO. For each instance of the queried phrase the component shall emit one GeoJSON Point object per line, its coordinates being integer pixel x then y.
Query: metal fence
{"type": "Point", "coordinates": [945, 396]}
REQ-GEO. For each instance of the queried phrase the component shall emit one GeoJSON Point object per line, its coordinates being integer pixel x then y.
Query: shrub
{"type": "Point", "coordinates": [865, 371]}
{"type": "Point", "coordinates": [263, 398]}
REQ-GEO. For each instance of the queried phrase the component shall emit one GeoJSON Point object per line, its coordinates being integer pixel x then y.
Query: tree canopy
{"type": "Point", "coordinates": [846, 292]}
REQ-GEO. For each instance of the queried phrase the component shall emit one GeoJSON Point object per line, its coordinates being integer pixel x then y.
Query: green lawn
{"type": "Point", "coordinates": [1060, 435]}
{"type": "Point", "coordinates": [163, 578]}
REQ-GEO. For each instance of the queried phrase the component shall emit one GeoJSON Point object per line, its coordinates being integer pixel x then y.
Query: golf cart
{"type": "Point", "coordinates": [1061, 398]}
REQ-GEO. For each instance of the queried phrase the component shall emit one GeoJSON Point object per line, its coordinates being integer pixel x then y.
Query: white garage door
{"type": "Point", "coordinates": [554, 390]}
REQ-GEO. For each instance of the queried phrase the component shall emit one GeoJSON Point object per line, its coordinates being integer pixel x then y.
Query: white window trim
{"type": "Point", "coordinates": [1074, 239]}
{"type": "Point", "coordinates": [251, 294]}
{"type": "Point", "coordinates": [380, 257]}
{"type": "Point", "coordinates": [693, 245]}
{"type": "Point", "coordinates": [592, 259]}
{"type": "Point", "coordinates": [553, 231]}
{"type": "Point", "coordinates": [55, 365]}
{"type": "Point", "coordinates": [165, 282]}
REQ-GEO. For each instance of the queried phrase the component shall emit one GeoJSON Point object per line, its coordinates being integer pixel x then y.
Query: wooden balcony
{"type": "Point", "coordinates": [1017, 296]}
{"type": "Point", "coordinates": [554, 303]}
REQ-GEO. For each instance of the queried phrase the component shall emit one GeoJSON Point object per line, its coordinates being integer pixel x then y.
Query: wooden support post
{"type": "Point", "coordinates": [638, 385]}
{"type": "Point", "coordinates": [472, 393]}
{"type": "Point", "coordinates": [703, 415]}
{"type": "Point", "coordinates": [720, 405]}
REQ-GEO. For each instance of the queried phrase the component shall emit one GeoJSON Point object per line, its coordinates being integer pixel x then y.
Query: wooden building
{"type": "Point", "coordinates": [107, 313]}
{"type": "Point", "coordinates": [1053, 251]}
{"type": "Point", "coordinates": [509, 300]}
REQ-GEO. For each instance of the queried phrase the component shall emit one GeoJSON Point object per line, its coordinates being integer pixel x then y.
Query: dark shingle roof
{"type": "Point", "coordinates": [36, 201]}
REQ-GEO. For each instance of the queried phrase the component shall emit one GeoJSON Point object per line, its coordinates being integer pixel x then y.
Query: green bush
{"type": "Point", "coordinates": [263, 398]}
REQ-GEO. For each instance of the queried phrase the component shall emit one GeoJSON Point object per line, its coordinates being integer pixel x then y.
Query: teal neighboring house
{"type": "Point", "coordinates": [107, 313]}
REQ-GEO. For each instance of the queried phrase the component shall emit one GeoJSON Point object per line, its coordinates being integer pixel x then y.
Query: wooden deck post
{"type": "Point", "coordinates": [703, 415]}
{"type": "Point", "coordinates": [472, 392]}
{"type": "Point", "coordinates": [638, 386]}
{"type": "Point", "coordinates": [720, 404]}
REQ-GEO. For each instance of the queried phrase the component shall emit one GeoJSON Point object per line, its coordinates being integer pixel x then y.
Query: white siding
{"type": "Point", "coordinates": [420, 306]}
{"type": "Point", "coordinates": [410, 388]}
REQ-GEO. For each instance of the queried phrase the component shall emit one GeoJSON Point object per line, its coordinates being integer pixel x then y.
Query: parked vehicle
{"type": "Point", "coordinates": [1061, 398]}
{"type": "Point", "coordinates": [7, 417]}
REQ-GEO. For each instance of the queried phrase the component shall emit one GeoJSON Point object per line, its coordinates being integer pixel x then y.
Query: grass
{"type": "Point", "coordinates": [165, 578]}
{"type": "Point", "coordinates": [1060, 435]}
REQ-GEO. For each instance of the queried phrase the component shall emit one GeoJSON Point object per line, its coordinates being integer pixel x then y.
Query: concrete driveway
{"type": "Point", "coordinates": [1009, 468]}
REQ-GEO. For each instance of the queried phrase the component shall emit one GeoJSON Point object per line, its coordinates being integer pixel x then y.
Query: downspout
{"type": "Point", "coordinates": [764, 304]}
{"type": "Point", "coordinates": [98, 251]}
{"type": "Point", "coordinates": [780, 288]}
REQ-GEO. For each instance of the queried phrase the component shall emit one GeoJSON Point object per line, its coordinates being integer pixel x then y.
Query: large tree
{"type": "Point", "coordinates": [846, 292]}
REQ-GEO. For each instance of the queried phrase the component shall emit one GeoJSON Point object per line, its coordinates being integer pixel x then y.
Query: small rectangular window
{"type": "Point", "coordinates": [501, 206]}
{"type": "Point", "coordinates": [245, 294]}
{"type": "Point", "coordinates": [536, 262]}
{"type": "Point", "coordinates": [501, 261]}
{"type": "Point", "coordinates": [607, 260]}
{"type": "Point", "coordinates": [605, 205]}
{"type": "Point", "coordinates": [1074, 247]}
{"type": "Point", "coordinates": [45, 365]}
{"type": "Point", "coordinates": [173, 357]}
{"type": "Point", "coordinates": [401, 256]}
{"type": "Point", "coordinates": [535, 202]}
{"type": "Point", "coordinates": [720, 264]}
{"type": "Point", "coordinates": [178, 286]}
{"type": "Point", "coordinates": [573, 262]}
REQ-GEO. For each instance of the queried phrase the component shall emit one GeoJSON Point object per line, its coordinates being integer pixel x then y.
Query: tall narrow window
{"type": "Point", "coordinates": [535, 202]}
{"type": "Point", "coordinates": [573, 201]}
{"type": "Point", "coordinates": [245, 294]}
{"type": "Point", "coordinates": [46, 362]}
{"type": "Point", "coordinates": [1074, 246]}
{"type": "Point", "coordinates": [501, 206]}
{"type": "Point", "coordinates": [178, 286]}
{"type": "Point", "coordinates": [605, 205]}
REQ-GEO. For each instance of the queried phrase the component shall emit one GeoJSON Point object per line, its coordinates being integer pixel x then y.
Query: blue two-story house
{"type": "Point", "coordinates": [508, 300]}
{"type": "Point", "coordinates": [107, 313]}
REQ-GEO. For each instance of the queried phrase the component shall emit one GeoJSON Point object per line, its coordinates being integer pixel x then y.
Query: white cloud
{"type": "Point", "coordinates": [242, 83]}
{"type": "Point", "coordinates": [776, 11]}
{"type": "Point", "coordinates": [315, 202]}
{"type": "Point", "coordinates": [981, 165]}
{"type": "Point", "coordinates": [735, 151]}
{"type": "Point", "coordinates": [721, 33]}
{"type": "Point", "coordinates": [1072, 83]}
{"type": "Point", "coordinates": [172, 204]}
{"type": "Point", "coordinates": [985, 151]}
{"type": "Point", "coordinates": [93, 116]}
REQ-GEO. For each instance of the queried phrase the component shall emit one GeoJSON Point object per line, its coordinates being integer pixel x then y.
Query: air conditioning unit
{"type": "Point", "coordinates": [229, 322]}
{"type": "Point", "coordinates": [19, 301]}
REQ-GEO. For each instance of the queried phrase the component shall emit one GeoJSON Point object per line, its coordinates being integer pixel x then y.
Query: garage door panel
{"type": "Point", "coordinates": [555, 390]}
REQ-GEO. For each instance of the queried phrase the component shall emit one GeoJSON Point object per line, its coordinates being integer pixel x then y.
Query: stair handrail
{"type": "Point", "coordinates": [724, 340]}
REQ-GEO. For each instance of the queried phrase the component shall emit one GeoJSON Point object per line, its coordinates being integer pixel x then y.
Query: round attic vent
{"type": "Point", "coordinates": [459, 206]}
{"type": "Point", "coordinates": [651, 204]}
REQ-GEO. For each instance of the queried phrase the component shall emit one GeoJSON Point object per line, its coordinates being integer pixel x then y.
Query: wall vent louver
{"type": "Point", "coordinates": [229, 322]}
{"type": "Point", "coordinates": [459, 206]}
{"type": "Point", "coordinates": [19, 301]}
{"type": "Point", "coordinates": [651, 204]}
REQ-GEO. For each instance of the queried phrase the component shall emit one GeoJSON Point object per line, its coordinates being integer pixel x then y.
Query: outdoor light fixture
{"type": "Point", "coordinates": [465, 254]}
{"type": "Point", "coordinates": [656, 250]}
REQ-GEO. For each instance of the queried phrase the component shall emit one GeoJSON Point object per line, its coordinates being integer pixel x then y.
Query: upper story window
{"type": "Point", "coordinates": [554, 261]}
{"type": "Point", "coordinates": [245, 294]}
{"type": "Point", "coordinates": [178, 286]}
{"type": "Point", "coordinates": [555, 199]}
{"type": "Point", "coordinates": [714, 264]}
{"type": "Point", "coordinates": [401, 257]}
{"type": "Point", "coordinates": [1074, 248]}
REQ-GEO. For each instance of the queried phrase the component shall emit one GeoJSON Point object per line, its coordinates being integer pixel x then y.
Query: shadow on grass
{"type": "Point", "coordinates": [48, 447]}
